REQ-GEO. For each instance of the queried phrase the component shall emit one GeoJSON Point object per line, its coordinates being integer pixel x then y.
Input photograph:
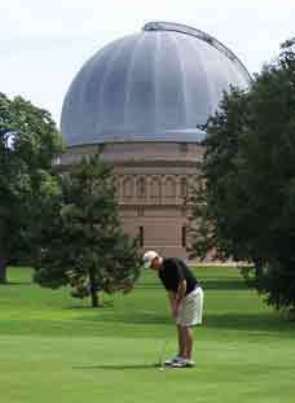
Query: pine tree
{"type": "Point", "coordinates": [83, 243]}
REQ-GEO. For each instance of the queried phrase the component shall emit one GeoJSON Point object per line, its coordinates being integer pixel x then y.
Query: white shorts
{"type": "Point", "coordinates": [191, 309]}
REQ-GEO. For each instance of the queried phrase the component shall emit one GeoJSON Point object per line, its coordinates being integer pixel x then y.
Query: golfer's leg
{"type": "Point", "coordinates": [181, 341]}
{"type": "Point", "coordinates": [188, 341]}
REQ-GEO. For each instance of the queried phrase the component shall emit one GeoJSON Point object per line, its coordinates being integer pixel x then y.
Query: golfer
{"type": "Point", "coordinates": [186, 301]}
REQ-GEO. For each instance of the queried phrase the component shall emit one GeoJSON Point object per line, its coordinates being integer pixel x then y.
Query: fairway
{"type": "Point", "coordinates": [57, 349]}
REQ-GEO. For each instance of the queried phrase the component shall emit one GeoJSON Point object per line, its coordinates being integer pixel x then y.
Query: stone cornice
{"type": "Point", "coordinates": [153, 206]}
{"type": "Point", "coordinates": [158, 163]}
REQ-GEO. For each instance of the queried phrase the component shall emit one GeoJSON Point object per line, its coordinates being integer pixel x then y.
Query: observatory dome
{"type": "Point", "coordinates": [158, 85]}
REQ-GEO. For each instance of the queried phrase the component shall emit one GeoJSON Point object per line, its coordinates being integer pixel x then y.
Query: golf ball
{"type": "Point", "coordinates": [161, 369]}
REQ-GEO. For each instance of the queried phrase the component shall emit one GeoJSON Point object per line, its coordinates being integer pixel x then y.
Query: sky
{"type": "Point", "coordinates": [43, 44]}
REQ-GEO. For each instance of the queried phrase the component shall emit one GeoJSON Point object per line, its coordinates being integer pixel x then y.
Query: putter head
{"type": "Point", "coordinates": [160, 366]}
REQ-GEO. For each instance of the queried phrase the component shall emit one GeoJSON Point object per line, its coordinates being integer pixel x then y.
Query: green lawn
{"type": "Point", "coordinates": [56, 349]}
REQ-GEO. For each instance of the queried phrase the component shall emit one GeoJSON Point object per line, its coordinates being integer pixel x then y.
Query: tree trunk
{"type": "Point", "coordinates": [258, 268]}
{"type": "Point", "coordinates": [3, 270]}
{"type": "Point", "coordinates": [93, 290]}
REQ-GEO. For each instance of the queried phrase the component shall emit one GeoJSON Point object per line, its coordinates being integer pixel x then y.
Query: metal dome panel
{"type": "Point", "coordinates": [158, 85]}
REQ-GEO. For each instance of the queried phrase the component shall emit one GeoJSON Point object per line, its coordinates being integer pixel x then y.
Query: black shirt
{"type": "Point", "coordinates": [173, 271]}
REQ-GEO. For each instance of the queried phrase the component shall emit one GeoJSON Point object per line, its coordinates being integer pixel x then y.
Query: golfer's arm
{"type": "Point", "coordinates": [177, 297]}
{"type": "Point", "coordinates": [171, 296]}
{"type": "Point", "coordinates": [180, 294]}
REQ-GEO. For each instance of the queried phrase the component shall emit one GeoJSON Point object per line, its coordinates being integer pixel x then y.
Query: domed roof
{"type": "Point", "coordinates": [158, 85]}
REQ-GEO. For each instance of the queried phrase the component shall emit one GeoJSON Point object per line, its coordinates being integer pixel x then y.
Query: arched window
{"type": "Point", "coordinates": [170, 188]}
{"type": "Point", "coordinates": [183, 187]}
{"type": "Point", "coordinates": [127, 187]}
{"type": "Point", "coordinates": [155, 188]}
{"type": "Point", "coordinates": [141, 188]}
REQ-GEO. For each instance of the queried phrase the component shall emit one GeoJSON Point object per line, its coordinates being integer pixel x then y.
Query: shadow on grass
{"type": "Point", "coordinates": [145, 318]}
{"type": "Point", "coordinates": [251, 323]}
{"type": "Point", "coordinates": [264, 322]}
{"type": "Point", "coordinates": [17, 283]}
{"type": "Point", "coordinates": [131, 318]}
{"type": "Point", "coordinates": [224, 285]}
{"type": "Point", "coordinates": [118, 367]}
{"type": "Point", "coordinates": [206, 284]}
{"type": "Point", "coordinates": [148, 286]}
{"type": "Point", "coordinates": [103, 305]}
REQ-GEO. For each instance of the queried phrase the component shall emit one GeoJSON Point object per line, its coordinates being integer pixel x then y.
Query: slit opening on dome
{"type": "Point", "coordinates": [187, 30]}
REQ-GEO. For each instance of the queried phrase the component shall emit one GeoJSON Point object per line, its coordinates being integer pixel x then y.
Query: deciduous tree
{"type": "Point", "coordinates": [247, 209]}
{"type": "Point", "coordinates": [29, 142]}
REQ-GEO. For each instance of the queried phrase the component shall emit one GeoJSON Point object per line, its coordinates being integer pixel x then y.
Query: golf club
{"type": "Point", "coordinates": [160, 364]}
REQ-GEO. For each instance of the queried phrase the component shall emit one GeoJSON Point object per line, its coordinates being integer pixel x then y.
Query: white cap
{"type": "Point", "coordinates": [148, 257]}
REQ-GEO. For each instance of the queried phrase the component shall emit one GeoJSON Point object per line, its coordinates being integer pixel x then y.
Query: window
{"type": "Point", "coordinates": [141, 188]}
{"type": "Point", "coordinates": [155, 188]}
{"type": "Point", "coordinates": [183, 187]}
{"type": "Point", "coordinates": [183, 236]}
{"type": "Point", "coordinates": [127, 187]}
{"type": "Point", "coordinates": [140, 211]}
{"type": "Point", "coordinates": [170, 188]}
{"type": "Point", "coordinates": [141, 236]}
{"type": "Point", "coordinates": [183, 147]}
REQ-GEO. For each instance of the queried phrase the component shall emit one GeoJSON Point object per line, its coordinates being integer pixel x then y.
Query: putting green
{"type": "Point", "coordinates": [54, 348]}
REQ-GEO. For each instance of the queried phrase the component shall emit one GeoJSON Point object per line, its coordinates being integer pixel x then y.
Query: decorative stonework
{"type": "Point", "coordinates": [153, 183]}
{"type": "Point", "coordinates": [149, 189]}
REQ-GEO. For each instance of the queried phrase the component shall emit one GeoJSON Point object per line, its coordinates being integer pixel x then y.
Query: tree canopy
{"type": "Point", "coordinates": [29, 142]}
{"type": "Point", "coordinates": [246, 209]}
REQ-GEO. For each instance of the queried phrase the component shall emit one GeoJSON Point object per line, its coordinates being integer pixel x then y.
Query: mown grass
{"type": "Point", "coordinates": [56, 349]}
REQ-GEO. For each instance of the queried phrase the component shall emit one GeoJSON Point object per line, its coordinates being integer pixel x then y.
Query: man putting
{"type": "Point", "coordinates": [186, 301]}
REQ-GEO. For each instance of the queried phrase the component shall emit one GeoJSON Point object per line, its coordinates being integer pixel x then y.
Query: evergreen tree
{"type": "Point", "coordinates": [83, 243]}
